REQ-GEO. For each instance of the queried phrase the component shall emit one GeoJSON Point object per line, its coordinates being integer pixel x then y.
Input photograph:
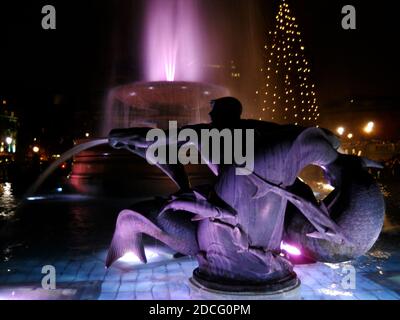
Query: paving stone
{"type": "Point", "coordinates": [169, 279]}
{"type": "Point", "coordinates": [110, 286]}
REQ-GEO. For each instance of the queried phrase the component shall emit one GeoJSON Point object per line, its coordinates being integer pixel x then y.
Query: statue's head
{"type": "Point", "coordinates": [225, 111]}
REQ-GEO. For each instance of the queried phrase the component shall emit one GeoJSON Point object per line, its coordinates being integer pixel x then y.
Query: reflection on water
{"type": "Point", "coordinates": [8, 205]}
{"type": "Point", "coordinates": [8, 201]}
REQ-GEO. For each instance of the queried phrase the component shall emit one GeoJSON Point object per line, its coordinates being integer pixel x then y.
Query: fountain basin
{"type": "Point", "coordinates": [103, 171]}
{"type": "Point", "coordinates": [154, 104]}
{"type": "Point", "coordinates": [106, 171]}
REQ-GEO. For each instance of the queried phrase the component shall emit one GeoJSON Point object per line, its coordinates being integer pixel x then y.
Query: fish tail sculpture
{"type": "Point", "coordinates": [130, 227]}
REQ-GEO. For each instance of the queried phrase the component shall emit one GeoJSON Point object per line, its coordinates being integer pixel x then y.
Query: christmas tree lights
{"type": "Point", "coordinates": [288, 95]}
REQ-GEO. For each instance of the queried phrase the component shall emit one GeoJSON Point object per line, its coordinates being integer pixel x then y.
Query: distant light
{"type": "Point", "coordinates": [151, 88]}
{"type": "Point", "coordinates": [207, 93]}
{"type": "Point", "coordinates": [34, 198]}
{"type": "Point", "coordinates": [290, 249]}
{"type": "Point", "coordinates": [59, 189]}
{"type": "Point", "coordinates": [87, 134]}
{"type": "Point", "coordinates": [9, 140]}
{"type": "Point", "coordinates": [369, 128]}
{"type": "Point", "coordinates": [350, 136]}
{"type": "Point", "coordinates": [340, 130]}
{"type": "Point", "coordinates": [35, 149]}
{"type": "Point", "coordinates": [4, 102]}
{"type": "Point", "coordinates": [132, 94]}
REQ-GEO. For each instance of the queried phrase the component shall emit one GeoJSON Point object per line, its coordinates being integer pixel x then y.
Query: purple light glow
{"type": "Point", "coordinates": [172, 41]}
{"type": "Point", "coordinates": [292, 250]}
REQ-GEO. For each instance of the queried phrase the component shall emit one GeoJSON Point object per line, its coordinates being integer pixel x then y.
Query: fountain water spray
{"type": "Point", "coordinates": [64, 157]}
{"type": "Point", "coordinates": [173, 41]}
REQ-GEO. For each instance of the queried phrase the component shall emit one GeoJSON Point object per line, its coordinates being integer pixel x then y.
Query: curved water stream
{"type": "Point", "coordinates": [64, 157]}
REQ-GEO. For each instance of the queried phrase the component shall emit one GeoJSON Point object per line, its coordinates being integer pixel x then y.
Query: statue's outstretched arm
{"type": "Point", "coordinates": [135, 140]}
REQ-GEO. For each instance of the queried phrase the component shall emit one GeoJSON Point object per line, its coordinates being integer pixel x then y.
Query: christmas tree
{"type": "Point", "coordinates": [288, 95]}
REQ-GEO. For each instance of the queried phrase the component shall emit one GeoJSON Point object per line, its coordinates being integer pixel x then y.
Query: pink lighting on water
{"type": "Point", "coordinates": [291, 250]}
{"type": "Point", "coordinates": [172, 40]}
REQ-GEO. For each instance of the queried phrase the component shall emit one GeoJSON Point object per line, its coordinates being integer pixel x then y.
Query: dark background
{"type": "Point", "coordinates": [57, 79]}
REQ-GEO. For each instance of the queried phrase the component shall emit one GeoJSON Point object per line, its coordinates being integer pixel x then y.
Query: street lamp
{"type": "Point", "coordinates": [9, 140]}
{"type": "Point", "coordinates": [369, 128]}
{"type": "Point", "coordinates": [35, 149]}
{"type": "Point", "coordinates": [350, 136]}
{"type": "Point", "coordinates": [340, 130]}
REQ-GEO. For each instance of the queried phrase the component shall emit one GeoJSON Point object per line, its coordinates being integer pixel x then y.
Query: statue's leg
{"type": "Point", "coordinates": [168, 229]}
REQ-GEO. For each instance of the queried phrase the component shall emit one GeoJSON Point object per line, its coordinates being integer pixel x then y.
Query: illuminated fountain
{"type": "Point", "coordinates": [243, 229]}
{"type": "Point", "coordinates": [173, 91]}
{"type": "Point", "coordinates": [173, 65]}
{"type": "Point", "coordinates": [154, 104]}
{"type": "Point", "coordinates": [173, 41]}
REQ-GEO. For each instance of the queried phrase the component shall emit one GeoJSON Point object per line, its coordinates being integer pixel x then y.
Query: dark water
{"type": "Point", "coordinates": [57, 222]}
{"type": "Point", "coordinates": [51, 224]}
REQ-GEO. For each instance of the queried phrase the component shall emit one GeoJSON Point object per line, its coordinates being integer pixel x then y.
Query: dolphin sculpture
{"type": "Point", "coordinates": [235, 227]}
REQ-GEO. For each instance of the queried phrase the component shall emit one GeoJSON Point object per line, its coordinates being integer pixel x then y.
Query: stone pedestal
{"type": "Point", "coordinates": [210, 289]}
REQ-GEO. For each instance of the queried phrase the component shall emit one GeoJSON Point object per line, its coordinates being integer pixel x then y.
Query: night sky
{"type": "Point", "coordinates": [98, 44]}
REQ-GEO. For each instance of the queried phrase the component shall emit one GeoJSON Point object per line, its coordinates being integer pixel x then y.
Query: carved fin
{"type": "Point", "coordinates": [198, 217]}
{"type": "Point", "coordinates": [261, 188]}
{"type": "Point", "coordinates": [331, 199]}
{"type": "Point", "coordinates": [328, 236]}
{"type": "Point", "coordinates": [199, 196]}
{"type": "Point", "coordinates": [324, 208]}
{"type": "Point", "coordinates": [316, 235]}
